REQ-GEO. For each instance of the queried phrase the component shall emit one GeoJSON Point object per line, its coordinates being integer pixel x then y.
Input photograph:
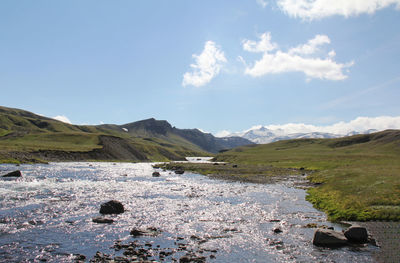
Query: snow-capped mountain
{"type": "Point", "coordinates": [261, 134]}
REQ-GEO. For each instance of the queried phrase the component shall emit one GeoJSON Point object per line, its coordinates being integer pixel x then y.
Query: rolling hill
{"type": "Point", "coordinates": [28, 137]}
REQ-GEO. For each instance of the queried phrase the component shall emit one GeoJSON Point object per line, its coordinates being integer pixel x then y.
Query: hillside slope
{"type": "Point", "coordinates": [359, 176]}
{"type": "Point", "coordinates": [162, 129]}
{"type": "Point", "coordinates": [27, 137]}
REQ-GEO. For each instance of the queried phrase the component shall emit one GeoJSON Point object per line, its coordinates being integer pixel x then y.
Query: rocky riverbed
{"type": "Point", "coordinates": [48, 215]}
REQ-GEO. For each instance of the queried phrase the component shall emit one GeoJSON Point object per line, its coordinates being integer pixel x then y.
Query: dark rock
{"type": "Point", "coordinates": [112, 207]}
{"type": "Point", "coordinates": [356, 234]}
{"type": "Point", "coordinates": [179, 171]}
{"type": "Point", "coordinates": [137, 232]}
{"type": "Point", "coordinates": [184, 259]}
{"type": "Point", "coordinates": [16, 173]}
{"type": "Point", "coordinates": [102, 220]}
{"type": "Point", "coordinates": [329, 238]}
{"type": "Point", "coordinates": [277, 230]}
{"type": "Point", "coordinates": [188, 258]}
{"type": "Point", "coordinates": [275, 220]}
{"type": "Point", "coordinates": [79, 257]}
{"type": "Point", "coordinates": [234, 166]}
{"type": "Point", "coordinates": [301, 168]}
{"type": "Point", "coordinates": [156, 174]}
{"type": "Point", "coordinates": [215, 163]}
{"type": "Point", "coordinates": [150, 231]}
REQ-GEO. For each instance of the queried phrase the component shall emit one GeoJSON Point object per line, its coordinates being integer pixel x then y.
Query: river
{"type": "Point", "coordinates": [46, 215]}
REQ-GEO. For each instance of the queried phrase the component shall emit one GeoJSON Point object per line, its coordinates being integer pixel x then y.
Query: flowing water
{"type": "Point", "coordinates": [47, 216]}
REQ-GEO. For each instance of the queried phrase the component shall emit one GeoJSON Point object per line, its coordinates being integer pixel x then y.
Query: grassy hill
{"type": "Point", "coordinates": [27, 137]}
{"type": "Point", "coordinates": [358, 177]}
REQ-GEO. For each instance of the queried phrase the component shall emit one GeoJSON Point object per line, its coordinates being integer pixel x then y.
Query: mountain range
{"type": "Point", "coordinates": [263, 135]}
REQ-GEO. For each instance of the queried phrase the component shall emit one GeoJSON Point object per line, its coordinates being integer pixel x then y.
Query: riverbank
{"type": "Point", "coordinates": [247, 173]}
{"type": "Point", "coordinates": [358, 177]}
{"type": "Point", "coordinates": [385, 234]}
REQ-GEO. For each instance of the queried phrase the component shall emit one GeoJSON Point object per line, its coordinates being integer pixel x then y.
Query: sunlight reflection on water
{"type": "Point", "coordinates": [47, 214]}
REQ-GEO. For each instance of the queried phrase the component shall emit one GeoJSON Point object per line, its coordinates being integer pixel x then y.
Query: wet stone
{"type": "Point", "coordinates": [102, 220]}
{"type": "Point", "coordinates": [16, 173]}
{"type": "Point", "coordinates": [112, 207]}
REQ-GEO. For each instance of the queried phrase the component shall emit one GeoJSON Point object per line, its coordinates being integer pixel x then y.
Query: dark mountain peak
{"type": "Point", "coordinates": [149, 126]}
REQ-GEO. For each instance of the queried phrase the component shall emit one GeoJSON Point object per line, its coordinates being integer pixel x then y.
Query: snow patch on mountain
{"type": "Point", "coordinates": [361, 125]}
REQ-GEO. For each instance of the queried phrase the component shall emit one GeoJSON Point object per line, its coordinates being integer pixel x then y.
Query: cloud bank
{"type": "Point", "coordinates": [207, 66]}
{"type": "Point", "coordinates": [62, 118]}
{"type": "Point", "coordinates": [306, 58]}
{"type": "Point", "coordinates": [317, 9]}
{"type": "Point", "coordinates": [360, 124]}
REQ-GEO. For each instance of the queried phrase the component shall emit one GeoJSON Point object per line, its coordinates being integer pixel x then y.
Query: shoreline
{"type": "Point", "coordinates": [386, 234]}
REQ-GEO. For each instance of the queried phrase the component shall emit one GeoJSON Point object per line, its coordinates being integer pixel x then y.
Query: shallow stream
{"type": "Point", "coordinates": [47, 216]}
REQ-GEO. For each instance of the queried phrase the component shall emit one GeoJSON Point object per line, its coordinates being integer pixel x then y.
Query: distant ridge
{"type": "Point", "coordinates": [263, 135]}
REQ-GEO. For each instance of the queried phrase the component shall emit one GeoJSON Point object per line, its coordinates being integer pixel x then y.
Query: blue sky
{"type": "Point", "coordinates": [214, 65]}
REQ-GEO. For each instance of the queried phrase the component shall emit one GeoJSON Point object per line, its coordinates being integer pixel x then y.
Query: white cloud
{"type": "Point", "coordinates": [298, 59]}
{"type": "Point", "coordinates": [317, 9]}
{"type": "Point", "coordinates": [262, 3]}
{"type": "Point", "coordinates": [207, 66]}
{"type": "Point", "coordinates": [62, 118]}
{"type": "Point", "coordinates": [311, 47]}
{"type": "Point", "coordinates": [264, 45]}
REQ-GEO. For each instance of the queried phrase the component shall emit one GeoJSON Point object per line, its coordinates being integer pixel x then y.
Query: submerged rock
{"type": "Point", "coordinates": [102, 220]}
{"type": "Point", "coordinates": [179, 171]}
{"type": "Point", "coordinates": [16, 173]}
{"type": "Point", "coordinates": [156, 174]}
{"type": "Point", "coordinates": [112, 207]}
{"type": "Point", "coordinates": [329, 238]}
{"type": "Point", "coordinates": [356, 234]}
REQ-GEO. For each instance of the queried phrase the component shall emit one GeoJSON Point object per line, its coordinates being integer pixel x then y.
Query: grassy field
{"type": "Point", "coordinates": [359, 175]}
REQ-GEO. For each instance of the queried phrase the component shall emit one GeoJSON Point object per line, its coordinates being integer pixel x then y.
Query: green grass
{"type": "Point", "coordinates": [360, 175]}
{"type": "Point", "coordinates": [52, 141]}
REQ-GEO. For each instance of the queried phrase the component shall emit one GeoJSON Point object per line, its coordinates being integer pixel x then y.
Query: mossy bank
{"type": "Point", "coordinates": [358, 177]}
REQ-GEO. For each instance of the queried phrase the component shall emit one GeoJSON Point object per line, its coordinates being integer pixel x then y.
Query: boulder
{"type": "Point", "coordinates": [156, 174]}
{"type": "Point", "coordinates": [329, 238]}
{"type": "Point", "coordinates": [112, 207]}
{"type": "Point", "coordinates": [16, 173]}
{"type": "Point", "coordinates": [356, 234]}
{"type": "Point", "coordinates": [179, 171]}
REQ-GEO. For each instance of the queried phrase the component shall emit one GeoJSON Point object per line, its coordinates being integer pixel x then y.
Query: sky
{"type": "Point", "coordinates": [224, 65]}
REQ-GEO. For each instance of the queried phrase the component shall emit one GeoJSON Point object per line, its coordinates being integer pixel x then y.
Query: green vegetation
{"type": "Point", "coordinates": [259, 173]}
{"type": "Point", "coordinates": [27, 137]}
{"type": "Point", "coordinates": [359, 175]}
